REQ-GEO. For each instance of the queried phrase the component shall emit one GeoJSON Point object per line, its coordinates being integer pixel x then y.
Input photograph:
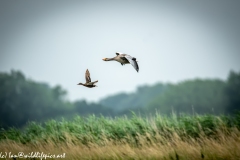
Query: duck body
{"type": "Point", "coordinates": [88, 83]}
{"type": "Point", "coordinates": [124, 59]}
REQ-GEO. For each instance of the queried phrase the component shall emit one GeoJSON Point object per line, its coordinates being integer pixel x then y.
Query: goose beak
{"type": "Point", "coordinates": [104, 59]}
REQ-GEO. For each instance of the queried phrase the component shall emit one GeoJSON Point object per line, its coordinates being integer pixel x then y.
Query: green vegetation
{"type": "Point", "coordinates": [92, 129]}
{"type": "Point", "coordinates": [233, 92]}
{"type": "Point", "coordinates": [202, 96]}
{"type": "Point", "coordinates": [155, 137]}
{"type": "Point", "coordinates": [23, 100]}
{"type": "Point", "coordinates": [143, 96]}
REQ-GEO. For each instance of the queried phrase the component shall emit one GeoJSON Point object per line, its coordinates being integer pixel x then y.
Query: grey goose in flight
{"type": "Point", "coordinates": [124, 59]}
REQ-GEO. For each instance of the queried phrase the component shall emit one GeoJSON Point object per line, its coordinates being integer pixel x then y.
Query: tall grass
{"type": "Point", "coordinates": [155, 137]}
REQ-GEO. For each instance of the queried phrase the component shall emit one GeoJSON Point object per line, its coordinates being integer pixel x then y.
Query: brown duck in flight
{"type": "Point", "coordinates": [124, 59]}
{"type": "Point", "coordinates": [88, 83]}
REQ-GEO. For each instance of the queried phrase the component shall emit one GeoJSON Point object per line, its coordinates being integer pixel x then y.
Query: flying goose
{"type": "Point", "coordinates": [124, 59]}
{"type": "Point", "coordinates": [88, 83]}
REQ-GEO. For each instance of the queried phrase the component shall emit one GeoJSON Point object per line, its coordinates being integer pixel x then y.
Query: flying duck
{"type": "Point", "coordinates": [124, 59]}
{"type": "Point", "coordinates": [88, 83]}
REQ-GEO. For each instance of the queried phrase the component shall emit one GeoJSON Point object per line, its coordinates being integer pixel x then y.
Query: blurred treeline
{"type": "Point", "coordinates": [23, 100]}
{"type": "Point", "coordinates": [209, 96]}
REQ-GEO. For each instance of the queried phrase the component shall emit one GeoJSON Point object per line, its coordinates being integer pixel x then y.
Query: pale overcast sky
{"type": "Point", "coordinates": [56, 41]}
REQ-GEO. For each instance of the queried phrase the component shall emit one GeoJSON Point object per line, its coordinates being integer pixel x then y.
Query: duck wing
{"type": "Point", "coordinates": [92, 83]}
{"type": "Point", "coordinates": [87, 76]}
{"type": "Point", "coordinates": [133, 61]}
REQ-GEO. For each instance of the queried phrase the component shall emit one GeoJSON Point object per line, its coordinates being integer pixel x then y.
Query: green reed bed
{"type": "Point", "coordinates": [94, 129]}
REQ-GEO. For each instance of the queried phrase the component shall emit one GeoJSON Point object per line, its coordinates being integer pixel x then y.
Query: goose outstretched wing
{"type": "Point", "coordinates": [133, 62]}
{"type": "Point", "coordinates": [117, 53]}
